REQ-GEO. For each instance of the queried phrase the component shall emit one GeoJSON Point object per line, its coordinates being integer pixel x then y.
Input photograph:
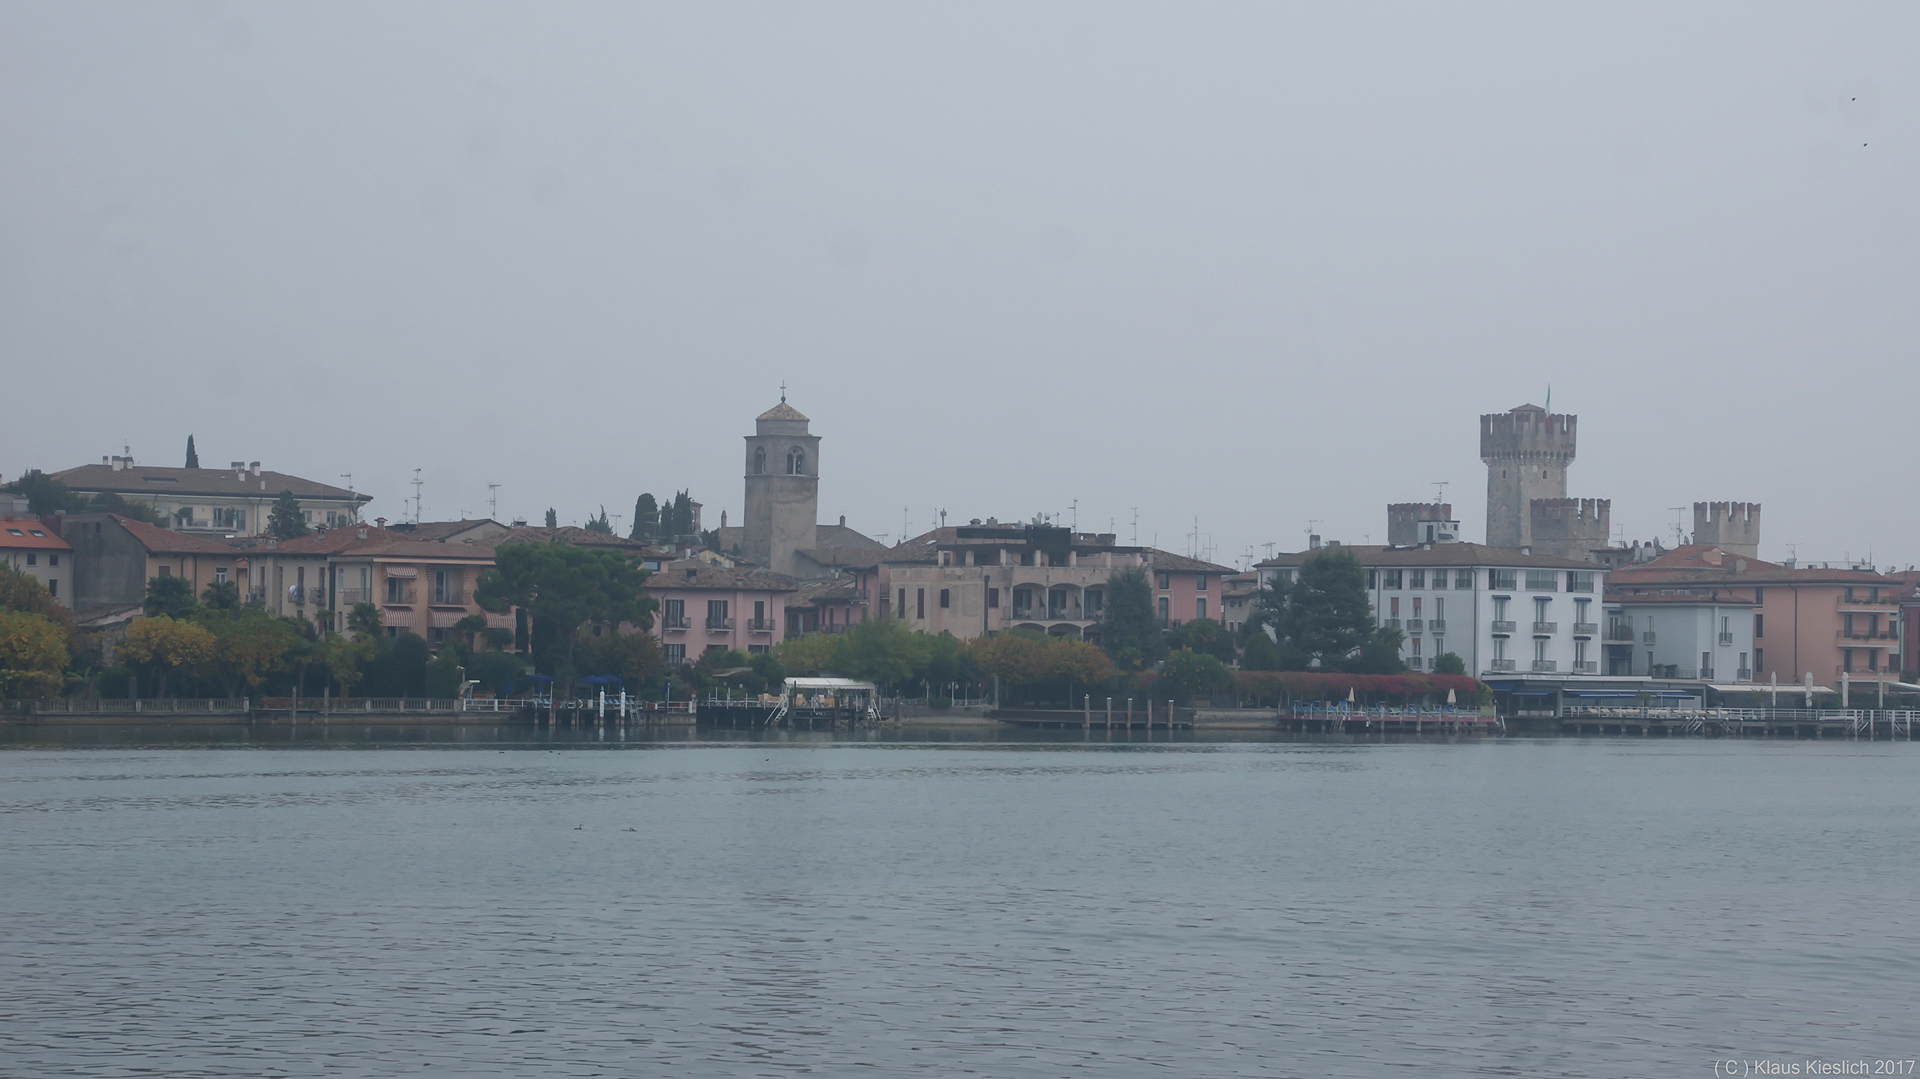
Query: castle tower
{"type": "Point", "coordinates": [783, 488]}
{"type": "Point", "coordinates": [1527, 451]}
{"type": "Point", "coordinates": [1569, 527]}
{"type": "Point", "coordinates": [1412, 523]}
{"type": "Point", "coordinates": [1734, 527]}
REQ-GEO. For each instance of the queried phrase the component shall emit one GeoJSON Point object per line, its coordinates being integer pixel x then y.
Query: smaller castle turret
{"type": "Point", "coordinates": [1734, 527]}
{"type": "Point", "coordinates": [1569, 527]}
{"type": "Point", "coordinates": [1412, 523]}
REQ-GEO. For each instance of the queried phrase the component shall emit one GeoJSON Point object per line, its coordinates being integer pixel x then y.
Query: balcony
{"type": "Point", "coordinates": [1413, 625]}
{"type": "Point", "coordinates": [256, 595]}
{"type": "Point", "coordinates": [1861, 603]}
{"type": "Point", "coordinates": [1706, 673]}
{"type": "Point", "coordinates": [1586, 667]}
{"type": "Point", "coordinates": [675, 624]}
{"type": "Point", "coordinates": [1586, 629]}
{"type": "Point", "coordinates": [1436, 625]}
{"type": "Point", "coordinates": [1501, 629]}
{"type": "Point", "coordinates": [1500, 665]}
{"type": "Point", "coordinates": [399, 597]}
{"type": "Point", "coordinates": [1393, 623]}
{"type": "Point", "coordinates": [1545, 629]}
{"type": "Point", "coordinates": [1726, 638]}
{"type": "Point", "coordinates": [760, 625]}
{"type": "Point", "coordinates": [1861, 638]}
{"type": "Point", "coordinates": [448, 597]}
{"type": "Point", "coordinates": [1619, 632]}
{"type": "Point", "coordinates": [1545, 666]}
{"type": "Point", "coordinates": [1744, 674]}
{"type": "Point", "coordinates": [719, 625]}
{"type": "Point", "coordinates": [1415, 663]}
{"type": "Point", "coordinates": [1647, 637]}
{"type": "Point", "coordinates": [351, 596]}
{"type": "Point", "coordinates": [1025, 612]}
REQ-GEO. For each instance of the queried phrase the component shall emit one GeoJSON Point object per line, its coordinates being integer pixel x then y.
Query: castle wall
{"type": "Point", "coordinates": [1569, 527]}
{"type": "Point", "coordinates": [1404, 518]}
{"type": "Point", "coordinates": [1734, 527]}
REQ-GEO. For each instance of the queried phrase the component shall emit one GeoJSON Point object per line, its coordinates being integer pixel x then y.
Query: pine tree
{"type": "Point", "coordinates": [193, 457]}
{"type": "Point", "coordinates": [600, 524]}
{"type": "Point", "coordinates": [553, 519]}
{"type": "Point", "coordinates": [646, 519]}
{"type": "Point", "coordinates": [286, 521]}
{"type": "Point", "coordinates": [1132, 631]}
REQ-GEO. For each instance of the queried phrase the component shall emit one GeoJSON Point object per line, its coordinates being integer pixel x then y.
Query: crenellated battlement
{"type": "Point", "coordinates": [1528, 433]}
{"type": "Point", "coordinates": [1405, 518]}
{"type": "Point", "coordinates": [1734, 527]}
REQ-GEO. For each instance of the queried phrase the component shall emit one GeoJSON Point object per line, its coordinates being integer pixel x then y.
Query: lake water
{"type": "Point", "coordinates": [1549, 907]}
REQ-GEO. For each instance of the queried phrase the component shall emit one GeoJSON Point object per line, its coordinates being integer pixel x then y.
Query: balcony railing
{"type": "Point", "coordinates": [759, 625]}
{"type": "Point", "coordinates": [1586, 666]}
{"type": "Point", "coordinates": [399, 597]}
{"type": "Point", "coordinates": [1620, 633]}
{"type": "Point", "coordinates": [1744, 674]}
{"type": "Point", "coordinates": [1413, 625]}
{"type": "Point", "coordinates": [1415, 663]}
{"type": "Point", "coordinates": [448, 597]}
{"type": "Point", "coordinates": [1436, 625]}
{"type": "Point", "coordinates": [1585, 629]}
{"type": "Point", "coordinates": [1884, 602]}
{"type": "Point", "coordinates": [1726, 638]}
{"type": "Point", "coordinates": [1500, 627]}
{"type": "Point", "coordinates": [719, 625]}
{"type": "Point", "coordinates": [1707, 673]}
{"type": "Point", "coordinates": [1545, 666]}
{"type": "Point", "coordinates": [1023, 612]}
{"type": "Point", "coordinates": [1542, 629]}
{"type": "Point", "coordinates": [675, 624]}
{"type": "Point", "coordinates": [1501, 665]}
{"type": "Point", "coordinates": [1860, 636]}
{"type": "Point", "coordinates": [351, 596]}
{"type": "Point", "coordinates": [256, 595]}
{"type": "Point", "coordinates": [1647, 637]}
{"type": "Point", "coordinates": [1393, 623]}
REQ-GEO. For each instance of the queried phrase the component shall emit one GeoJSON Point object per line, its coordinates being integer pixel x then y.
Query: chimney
{"type": "Point", "coordinates": [843, 521]}
{"type": "Point", "coordinates": [1313, 542]}
{"type": "Point", "coordinates": [254, 468]}
{"type": "Point", "coordinates": [363, 533]}
{"type": "Point", "coordinates": [380, 521]}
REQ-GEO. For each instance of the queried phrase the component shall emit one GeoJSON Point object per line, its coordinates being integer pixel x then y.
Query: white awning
{"type": "Point", "coordinates": [499, 621]}
{"type": "Point", "coordinates": [444, 619]}
{"type": "Point", "coordinates": [402, 618]}
{"type": "Point", "coordinates": [400, 571]}
{"type": "Point", "coordinates": [828, 683]}
{"type": "Point", "coordinates": [1785, 687]}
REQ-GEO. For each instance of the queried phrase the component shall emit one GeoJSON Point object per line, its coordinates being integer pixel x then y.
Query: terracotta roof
{"type": "Point", "coordinates": [830, 590]}
{"type": "Point", "coordinates": [1716, 598]}
{"type": "Point", "coordinates": [1442, 554]}
{"type": "Point", "coordinates": [692, 573]}
{"type": "Point", "coordinates": [781, 411]}
{"type": "Point", "coordinates": [423, 550]}
{"type": "Point", "coordinates": [30, 533]}
{"type": "Point", "coordinates": [567, 534]}
{"type": "Point", "coordinates": [332, 541]}
{"type": "Point", "coordinates": [1706, 564]}
{"type": "Point", "coordinates": [842, 536]}
{"type": "Point", "coordinates": [438, 531]}
{"type": "Point", "coordinates": [161, 541]}
{"type": "Point", "coordinates": [225, 482]}
{"type": "Point", "coordinates": [1179, 563]}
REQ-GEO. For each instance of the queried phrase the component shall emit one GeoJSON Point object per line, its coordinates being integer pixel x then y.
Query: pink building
{"type": "Point", "coordinates": [704, 607]}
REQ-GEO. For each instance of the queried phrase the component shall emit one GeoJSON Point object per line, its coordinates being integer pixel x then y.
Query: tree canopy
{"type": "Point", "coordinates": [1131, 633]}
{"type": "Point", "coordinates": [193, 456]}
{"type": "Point", "coordinates": [169, 596]}
{"type": "Point", "coordinates": [286, 521]}
{"type": "Point", "coordinates": [563, 587]}
{"type": "Point", "coordinates": [1328, 615]}
{"type": "Point", "coordinates": [33, 655]}
{"type": "Point", "coordinates": [646, 519]}
{"type": "Point", "coordinates": [47, 496]}
{"type": "Point", "coordinates": [1203, 635]}
{"type": "Point", "coordinates": [600, 524]}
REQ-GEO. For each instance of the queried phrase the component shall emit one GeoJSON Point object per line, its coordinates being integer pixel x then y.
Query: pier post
{"type": "Point", "coordinates": [1109, 713]}
{"type": "Point", "coordinates": [1086, 711]}
{"type": "Point", "coordinates": [1169, 717]}
{"type": "Point", "coordinates": [1129, 713]}
{"type": "Point", "coordinates": [1149, 715]}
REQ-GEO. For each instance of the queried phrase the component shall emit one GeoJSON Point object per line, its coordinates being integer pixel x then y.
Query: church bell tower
{"type": "Point", "coordinates": [783, 489]}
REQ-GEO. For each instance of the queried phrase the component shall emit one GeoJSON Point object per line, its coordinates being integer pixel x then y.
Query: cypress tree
{"type": "Point", "coordinates": [193, 457]}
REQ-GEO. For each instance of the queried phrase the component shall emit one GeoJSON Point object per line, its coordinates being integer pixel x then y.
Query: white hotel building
{"type": "Point", "coordinates": [1502, 611]}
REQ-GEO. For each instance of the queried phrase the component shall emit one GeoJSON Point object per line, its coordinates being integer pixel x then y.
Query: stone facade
{"type": "Point", "coordinates": [782, 488]}
{"type": "Point", "coordinates": [1734, 527]}
{"type": "Point", "coordinates": [1527, 451]}
{"type": "Point", "coordinates": [1569, 527]}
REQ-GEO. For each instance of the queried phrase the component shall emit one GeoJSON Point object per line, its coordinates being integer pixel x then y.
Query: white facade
{"type": "Point", "coordinates": [1702, 638]}
{"type": "Point", "coordinates": [1500, 611]}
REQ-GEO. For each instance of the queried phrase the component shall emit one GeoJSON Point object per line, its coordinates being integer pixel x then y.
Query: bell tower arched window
{"type": "Point", "coordinates": [796, 463]}
{"type": "Point", "coordinates": [759, 460]}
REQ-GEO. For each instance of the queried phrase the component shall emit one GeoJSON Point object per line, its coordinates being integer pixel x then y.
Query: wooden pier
{"type": "Point", "coordinates": [1855, 723]}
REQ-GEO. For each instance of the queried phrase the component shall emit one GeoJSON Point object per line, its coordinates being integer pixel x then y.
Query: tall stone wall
{"type": "Point", "coordinates": [1404, 518]}
{"type": "Point", "coordinates": [1734, 527]}
{"type": "Point", "coordinates": [1527, 451]}
{"type": "Point", "coordinates": [1569, 527]}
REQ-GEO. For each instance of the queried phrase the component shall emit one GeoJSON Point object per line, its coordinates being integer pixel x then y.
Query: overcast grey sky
{"type": "Point", "coordinates": [1254, 264]}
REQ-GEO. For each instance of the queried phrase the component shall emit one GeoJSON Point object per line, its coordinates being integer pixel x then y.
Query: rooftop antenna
{"type": "Point", "coordinates": [943, 518]}
{"type": "Point", "coordinates": [1677, 511]}
{"type": "Point", "coordinates": [1076, 515]}
{"type": "Point", "coordinates": [348, 476]}
{"type": "Point", "coordinates": [493, 501]}
{"type": "Point", "coordinates": [904, 526]}
{"type": "Point", "coordinates": [416, 496]}
{"type": "Point", "coordinates": [1311, 521]}
{"type": "Point", "coordinates": [1135, 540]}
{"type": "Point", "coordinates": [1440, 491]}
{"type": "Point", "coordinates": [616, 523]}
{"type": "Point", "coordinates": [1269, 546]}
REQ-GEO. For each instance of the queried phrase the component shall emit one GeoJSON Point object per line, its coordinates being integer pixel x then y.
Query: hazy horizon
{"type": "Point", "coordinates": [1247, 264]}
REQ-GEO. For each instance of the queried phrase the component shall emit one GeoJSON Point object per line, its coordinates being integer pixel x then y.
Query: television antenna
{"type": "Point", "coordinates": [1135, 539]}
{"type": "Point", "coordinates": [416, 495]}
{"type": "Point", "coordinates": [1311, 521]}
{"type": "Point", "coordinates": [1269, 545]}
{"type": "Point", "coordinates": [1076, 515]}
{"type": "Point", "coordinates": [348, 476]}
{"type": "Point", "coordinates": [1440, 491]}
{"type": "Point", "coordinates": [1677, 511]}
{"type": "Point", "coordinates": [493, 501]}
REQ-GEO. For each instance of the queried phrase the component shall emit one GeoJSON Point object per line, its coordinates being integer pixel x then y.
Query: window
{"type": "Point", "coordinates": [220, 574]}
{"type": "Point", "coordinates": [919, 603]}
{"type": "Point", "coordinates": [1542, 580]}
{"type": "Point", "coordinates": [1393, 607]}
{"type": "Point", "coordinates": [1541, 611]}
{"type": "Point", "coordinates": [675, 613]}
{"type": "Point", "coordinates": [1416, 578]}
{"type": "Point", "coordinates": [53, 586]}
{"type": "Point", "coordinates": [1439, 608]}
{"type": "Point", "coordinates": [1579, 655]}
{"type": "Point", "coordinates": [1759, 626]}
{"type": "Point", "coordinates": [759, 460]}
{"type": "Point", "coordinates": [946, 598]}
{"type": "Point", "coordinates": [1579, 581]}
{"type": "Point", "coordinates": [796, 462]}
{"type": "Point", "coordinates": [757, 649]}
{"type": "Point", "coordinates": [1390, 578]}
{"type": "Point", "coordinates": [1200, 585]}
{"type": "Point", "coordinates": [438, 634]}
{"type": "Point", "coordinates": [1463, 578]}
{"type": "Point", "coordinates": [1416, 646]}
{"type": "Point", "coordinates": [1759, 595]}
{"type": "Point", "coordinates": [1284, 576]}
{"type": "Point", "coordinates": [1759, 658]}
{"type": "Point", "coordinates": [32, 559]}
{"type": "Point", "coordinates": [54, 560]}
{"type": "Point", "coordinates": [1163, 610]}
{"type": "Point", "coordinates": [760, 612]}
{"type": "Point", "coordinates": [1500, 609]}
{"type": "Point", "coordinates": [900, 607]}
{"type": "Point", "coordinates": [993, 598]}
{"type": "Point", "coordinates": [1499, 648]}
{"type": "Point", "coordinates": [1373, 578]}
{"type": "Point", "coordinates": [1092, 602]}
{"type": "Point", "coordinates": [1200, 607]}
{"type": "Point", "coordinates": [166, 571]}
{"type": "Point", "coordinates": [1163, 580]}
{"type": "Point", "coordinates": [1416, 606]}
{"type": "Point", "coordinates": [396, 590]}
{"type": "Point", "coordinates": [717, 614]}
{"type": "Point", "coordinates": [1502, 580]}
{"type": "Point", "coordinates": [1539, 649]}
{"type": "Point", "coordinates": [675, 654]}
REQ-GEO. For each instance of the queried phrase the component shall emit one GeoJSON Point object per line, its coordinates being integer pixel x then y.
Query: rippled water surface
{"type": "Point", "coordinates": [1565, 908]}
